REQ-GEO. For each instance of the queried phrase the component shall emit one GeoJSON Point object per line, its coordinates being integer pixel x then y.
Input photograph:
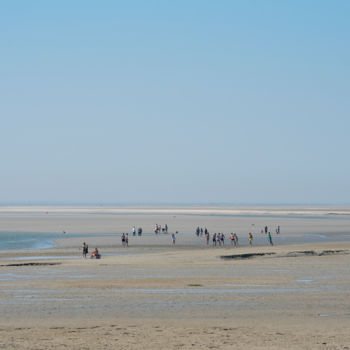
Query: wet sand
{"type": "Point", "coordinates": [155, 296]}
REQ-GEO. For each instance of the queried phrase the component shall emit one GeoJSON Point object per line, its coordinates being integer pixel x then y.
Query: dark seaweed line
{"type": "Point", "coordinates": [288, 255]}
{"type": "Point", "coordinates": [244, 256]}
{"type": "Point", "coordinates": [30, 264]}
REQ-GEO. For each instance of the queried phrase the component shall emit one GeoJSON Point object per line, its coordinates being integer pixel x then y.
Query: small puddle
{"type": "Point", "coordinates": [215, 291]}
{"type": "Point", "coordinates": [304, 281]}
{"type": "Point", "coordinates": [335, 315]}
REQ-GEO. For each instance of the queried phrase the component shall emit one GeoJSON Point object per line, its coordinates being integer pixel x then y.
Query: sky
{"type": "Point", "coordinates": [189, 101]}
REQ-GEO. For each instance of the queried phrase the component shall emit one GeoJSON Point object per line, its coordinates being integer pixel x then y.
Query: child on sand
{"type": "Point", "coordinates": [95, 254]}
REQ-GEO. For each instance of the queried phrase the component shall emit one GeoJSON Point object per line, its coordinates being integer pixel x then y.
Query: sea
{"type": "Point", "coordinates": [28, 240]}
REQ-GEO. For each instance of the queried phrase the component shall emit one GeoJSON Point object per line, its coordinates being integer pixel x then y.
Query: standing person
{"type": "Point", "coordinates": [222, 238]}
{"type": "Point", "coordinates": [232, 238]}
{"type": "Point", "coordinates": [173, 238]}
{"type": "Point", "coordinates": [85, 250]}
{"type": "Point", "coordinates": [127, 240]}
{"type": "Point", "coordinates": [270, 238]}
{"type": "Point", "coordinates": [166, 228]}
{"type": "Point", "coordinates": [236, 239]}
{"type": "Point", "coordinates": [250, 239]}
{"type": "Point", "coordinates": [134, 231]}
{"type": "Point", "coordinates": [278, 229]}
{"type": "Point", "coordinates": [214, 239]}
{"type": "Point", "coordinates": [207, 236]}
{"type": "Point", "coordinates": [265, 229]}
{"type": "Point", "coordinates": [218, 238]}
{"type": "Point", "coordinates": [123, 240]}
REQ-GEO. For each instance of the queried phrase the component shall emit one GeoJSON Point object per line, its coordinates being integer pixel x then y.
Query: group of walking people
{"type": "Point", "coordinates": [219, 238]}
{"type": "Point", "coordinates": [160, 229]}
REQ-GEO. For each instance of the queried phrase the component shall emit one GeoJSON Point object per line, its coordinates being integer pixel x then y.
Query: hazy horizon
{"type": "Point", "coordinates": [162, 204]}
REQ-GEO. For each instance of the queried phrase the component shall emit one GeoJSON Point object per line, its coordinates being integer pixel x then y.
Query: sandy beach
{"type": "Point", "coordinates": [152, 295]}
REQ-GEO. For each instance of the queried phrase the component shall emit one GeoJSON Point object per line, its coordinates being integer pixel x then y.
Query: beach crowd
{"type": "Point", "coordinates": [217, 239]}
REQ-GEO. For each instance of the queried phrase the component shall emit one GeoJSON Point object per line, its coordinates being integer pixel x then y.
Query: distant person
{"type": "Point", "coordinates": [222, 237]}
{"type": "Point", "coordinates": [123, 239]}
{"type": "Point", "coordinates": [250, 239]}
{"type": "Point", "coordinates": [236, 239]}
{"type": "Point", "coordinates": [265, 229]}
{"type": "Point", "coordinates": [207, 237]}
{"type": "Point", "coordinates": [95, 254]}
{"type": "Point", "coordinates": [173, 238]}
{"type": "Point", "coordinates": [134, 231]}
{"type": "Point", "coordinates": [139, 231]}
{"type": "Point", "coordinates": [127, 240]}
{"type": "Point", "coordinates": [232, 239]}
{"type": "Point", "coordinates": [278, 230]}
{"type": "Point", "coordinates": [85, 250]}
{"type": "Point", "coordinates": [218, 238]}
{"type": "Point", "coordinates": [270, 238]}
{"type": "Point", "coordinates": [214, 239]}
{"type": "Point", "coordinates": [166, 228]}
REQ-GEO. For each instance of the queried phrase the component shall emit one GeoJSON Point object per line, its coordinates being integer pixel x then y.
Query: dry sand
{"type": "Point", "coordinates": [155, 296]}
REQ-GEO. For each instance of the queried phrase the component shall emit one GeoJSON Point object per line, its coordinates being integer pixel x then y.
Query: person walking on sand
{"type": "Point", "coordinates": [173, 238]}
{"type": "Point", "coordinates": [134, 231]}
{"type": "Point", "coordinates": [207, 236]}
{"type": "Point", "coordinates": [214, 239]}
{"type": "Point", "coordinates": [270, 239]}
{"type": "Point", "coordinates": [127, 240]}
{"type": "Point", "coordinates": [123, 240]}
{"type": "Point", "coordinates": [250, 239]}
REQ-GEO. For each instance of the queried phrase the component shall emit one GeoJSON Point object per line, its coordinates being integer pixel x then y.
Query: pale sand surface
{"type": "Point", "coordinates": [155, 296]}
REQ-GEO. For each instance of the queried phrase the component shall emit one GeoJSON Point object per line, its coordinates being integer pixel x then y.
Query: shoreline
{"type": "Point", "coordinates": [316, 211]}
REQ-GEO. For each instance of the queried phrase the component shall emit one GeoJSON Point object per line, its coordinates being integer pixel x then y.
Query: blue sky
{"type": "Point", "coordinates": [175, 101]}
